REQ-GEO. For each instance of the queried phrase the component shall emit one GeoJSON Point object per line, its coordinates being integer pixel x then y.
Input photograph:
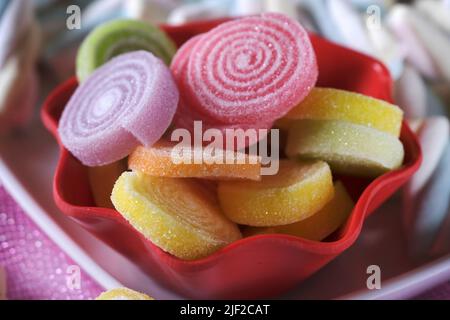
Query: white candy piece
{"type": "Point", "coordinates": [210, 9]}
{"type": "Point", "coordinates": [350, 24]}
{"type": "Point", "coordinates": [398, 20]}
{"type": "Point", "coordinates": [436, 11]}
{"type": "Point", "coordinates": [433, 136]}
{"type": "Point", "coordinates": [155, 11]}
{"type": "Point", "coordinates": [426, 211]}
{"type": "Point", "coordinates": [247, 7]}
{"type": "Point", "coordinates": [287, 7]}
{"type": "Point", "coordinates": [16, 87]}
{"type": "Point", "coordinates": [94, 12]}
{"type": "Point", "coordinates": [320, 13]}
{"type": "Point", "coordinates": [387, 49]}
{"type": "Point", "coordinates": [442, 243]}
{"type": "Point", "coordinates": [411, 93]}
{"type": "Point", "coordinates": [16, 19]}
{"type": "Point", "coordinates": [2, 283]}
{"type": "Point", "coordinates": [436, 42]}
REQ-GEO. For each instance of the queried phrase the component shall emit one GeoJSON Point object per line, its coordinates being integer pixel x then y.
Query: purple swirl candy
{"type": "Point", "coordinates": [127, 102]}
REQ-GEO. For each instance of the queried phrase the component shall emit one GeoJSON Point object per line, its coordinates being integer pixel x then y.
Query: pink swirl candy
{"type": "Point", "coordinates": [251, 70]}
{"type": "Point", "coordinates": [187, 113]}
{"type": "Point", "coordinates": [127, 102]}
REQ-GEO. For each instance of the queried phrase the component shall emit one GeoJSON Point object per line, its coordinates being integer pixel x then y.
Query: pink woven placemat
{"type": "Point", "coordinates": [37, 268]}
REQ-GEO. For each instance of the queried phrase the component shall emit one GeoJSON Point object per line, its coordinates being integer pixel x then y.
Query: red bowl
{"type": "Point", "coordinates": [255, 267]}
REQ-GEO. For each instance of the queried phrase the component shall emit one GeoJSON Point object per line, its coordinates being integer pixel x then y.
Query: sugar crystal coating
{"type": "Point", "coordinates": [321, 224]}
{"type": "Point", "coordinates": [127, 102]}
{"type": "Point", "coordinates": [334, 104]}
{"type": "Point", "coordinates": [187, 111]}
{"type": "Point", "coordinates": [120, 36]}
{"type": "Point", "coordinates": [251, 70]}
{"type": "Point", "coordinates": [348, 148]}
{"type": "Point", "coordinates": [123, 294]}
{"type": "Point", "coordinates": [177, 215]}
{"type": "Point", "coordinates": [295, 193]}
{"type": "Point", "coordinates": [158, 160]}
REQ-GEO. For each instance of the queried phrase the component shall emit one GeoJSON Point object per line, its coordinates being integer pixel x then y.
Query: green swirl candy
{"type": "Point", "coordinates": [120, 36]}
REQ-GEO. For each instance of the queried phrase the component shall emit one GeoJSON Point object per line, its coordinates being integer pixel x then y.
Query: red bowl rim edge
{"type": "Point", "coordinates": [350, 233]}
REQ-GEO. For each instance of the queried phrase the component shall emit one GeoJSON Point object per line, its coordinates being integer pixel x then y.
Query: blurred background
{"type": "Point", "coordinates": [38, 44]}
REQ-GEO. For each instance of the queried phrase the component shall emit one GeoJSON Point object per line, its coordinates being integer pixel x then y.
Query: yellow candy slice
{"type": "Point", "coordinates": [321, 224]}
{"type": "Point", "coordinates": [348, 148]}
{"type": "Point", "coordinates": [123, 294]}
{"type": "Point", "coordinates": [334, 104]}
{"type": "Point", "coordinates": [102, 179]}
{"type": "Point", "coordinates": [177, 215]}
{"type": "Point", "coordinates": [298, 191]}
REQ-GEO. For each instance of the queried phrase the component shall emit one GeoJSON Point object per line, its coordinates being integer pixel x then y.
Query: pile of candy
{"type": "Point", "coordinates": [251, 73]}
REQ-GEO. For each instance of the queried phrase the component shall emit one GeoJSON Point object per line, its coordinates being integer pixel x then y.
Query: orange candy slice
{"type": "Point", "coordinates": [177, 215]}
{"type": "Point", "coordinates": [160, 161]}
{"type": "Point", "coordinates": [321, 224]}
{"type": "Point", "coordinates": [298, 191]}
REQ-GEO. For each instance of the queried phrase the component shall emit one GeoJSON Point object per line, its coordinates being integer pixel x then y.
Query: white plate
{"type": "Point", "coordinates": [27, 163]}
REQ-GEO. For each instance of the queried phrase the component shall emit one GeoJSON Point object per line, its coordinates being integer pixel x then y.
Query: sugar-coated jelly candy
{"type": "Point", "coordinates": [120, 36]}
{"type": "Point", "coordinates": [321, 224]}
{"type": "Point", "coordinates": [123, 294]}
{"type": "Point", "coordinates": [102, 179]}
{"type": "Point", "coordinates": [177, 215]}
{"type": "Point", "coordinates": [251, 70]}
{"type": "Point", "coordinates": [127, 102]}
{"type": "Point", "coordinates": [295, 193]}
{"type": "Point", "coordinates": [162, 160]}
{"type": "Point", "coordinates": [334, 104]}
{"type": "Point", "coordinates": [187, 113]}
{"type": "Point", "coordinates": [348, 148]}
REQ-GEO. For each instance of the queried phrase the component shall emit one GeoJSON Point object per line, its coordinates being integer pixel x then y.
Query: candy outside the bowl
{"type": "Point", "coordinates": [411, 93]}
{"type": "Point", "coordinates": [123, 294]}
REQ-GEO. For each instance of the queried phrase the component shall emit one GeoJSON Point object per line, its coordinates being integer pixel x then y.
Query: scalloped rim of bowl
{"type": "Point", "coordinates": [350, 231]}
